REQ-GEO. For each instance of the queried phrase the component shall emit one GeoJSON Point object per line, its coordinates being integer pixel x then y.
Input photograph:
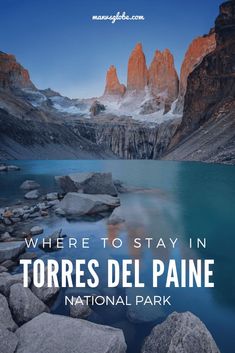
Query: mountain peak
{"type": "Point", "coordinates": [113, 86]}
{"type": "Point", "coordinates": [162, 76]}
{"type": "Point", "coordinates": [12, 74]}
{"type": "Point", "coordinates": [137, 75]}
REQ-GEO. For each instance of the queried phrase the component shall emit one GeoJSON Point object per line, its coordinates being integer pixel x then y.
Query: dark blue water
{"type": "Point", "coordinates": [191, 200]}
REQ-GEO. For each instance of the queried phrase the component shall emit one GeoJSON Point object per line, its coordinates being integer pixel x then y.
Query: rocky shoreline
{"type": "Point", "coordinates": [26, 324]}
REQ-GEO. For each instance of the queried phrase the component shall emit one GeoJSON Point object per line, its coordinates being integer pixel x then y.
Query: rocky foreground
{"type": "Point", "coordinates": [26, 324]}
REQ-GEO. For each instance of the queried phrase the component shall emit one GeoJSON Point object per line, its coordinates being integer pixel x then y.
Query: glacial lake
{"type": "Point", "coordinates": [189, 200]}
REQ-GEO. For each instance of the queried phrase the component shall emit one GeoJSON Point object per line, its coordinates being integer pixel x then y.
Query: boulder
{"type": "Point", "coordinates": [32, 195]}
{"type": "Point", "coordinates": [88, 183]}
{"type": "Point", "coordinates": [36, 230]}
{"type": "Point", "coordinates": [96, 108]}
{"type": "Point", "coordinates": [116, 217]}
{"type": "Point", "coordinates": [7, 280]}
{"type": "Point", "coordinates": [8, 340]}
{"type": "Point", "coordinates": [79, 310]}
{"type": "Point", "coordinates": [45, 293]}
{"type": "Point", "coordinates": [24, 304]}
{"type": "Point", "coordinates": [6, 319]}
{"type": "Point", "coordinates": [52, 196]}
{"type": "Point", "coordinates": [10, 250]}
{"type": "Point", "coordinates": [55, 333]}
{"type": "Point", "coordinates": [180, 332]}
{"type": "Point", "coordinates": [77, 204]}
{"type": "Point", "coordinates": [29, 185]}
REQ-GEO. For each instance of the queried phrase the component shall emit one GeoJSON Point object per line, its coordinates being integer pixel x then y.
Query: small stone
{"type": "Point", "coordinates": [52, 196]}
{"type": "Point", "coordinates": [44, 213]}
{"type": "Point", "coordinates": [3, 168]}
{"type": "Point", "coordinates": [8, 214]}
{"type": "Point", "coordinates": [36, 230]}
{"type": "Point", "coordinates": [53, 203]}
{"type": "Point", "coordinates": [32, 195]}
{"type": "Point", "coordinates": [79, 310]}
{"type": "Point", "coordinates": [59, 212]}
{"type": "Point", "coordinates": [13, 168]}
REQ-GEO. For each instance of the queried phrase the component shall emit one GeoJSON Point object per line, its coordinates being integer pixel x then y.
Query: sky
{"type": "Point", "coordinates": [60, 45]}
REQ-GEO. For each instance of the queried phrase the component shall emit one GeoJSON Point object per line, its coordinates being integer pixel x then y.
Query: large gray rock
{"type": "Point", "coordinates": [96, 108]}
{"type": "Point", "coordinates": [10, 250]}
{"type": "Point", "coordinates": [6, 319]}
{"type": "Point", "coordinates": [180, 333]}
{"type": "Point", "coordinates": [7, 280]}
{"type": "Point", "coordinates": [88, 183]}
{"type": "Point", "coordinates": [24, 304]}
{"type": "Point", "coordinates": [45, 293]}
{"type": "Point", "coordinates": [29, 185]}
{"type": "Point", "coordinates": [77, 204]}
{"type": "Point", "coordinates": [54, 333]}
{"type": "Point", "coordinates": [8, 340]}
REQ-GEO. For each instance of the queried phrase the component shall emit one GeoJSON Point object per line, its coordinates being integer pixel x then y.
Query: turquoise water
{"type": "Point", "coordinates": [190, 200]}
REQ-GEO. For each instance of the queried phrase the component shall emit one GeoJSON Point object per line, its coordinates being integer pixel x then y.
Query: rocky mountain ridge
{"type": "Point", "coordinates": [207, 131]}
{"type": "Point", "coordinates": [12, 74]}
{"type": "Point", "coordinates": [136, 121]}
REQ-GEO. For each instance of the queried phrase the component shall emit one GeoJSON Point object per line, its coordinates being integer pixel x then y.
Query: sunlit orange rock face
{"type": "Point", "coordinates": [137, 75]}
{"type": "Point", "coordinates": [113, 86]}
{"type": "Point", "coordinates": [197, 50]}
{"type": "Point", "coordinates": [162, 76]}
{"type": "Point", "coordinates": [12, 74]}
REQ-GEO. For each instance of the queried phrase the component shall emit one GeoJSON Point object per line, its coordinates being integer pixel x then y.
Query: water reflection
{"type": "Point", "coordinates": [196, 200]}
